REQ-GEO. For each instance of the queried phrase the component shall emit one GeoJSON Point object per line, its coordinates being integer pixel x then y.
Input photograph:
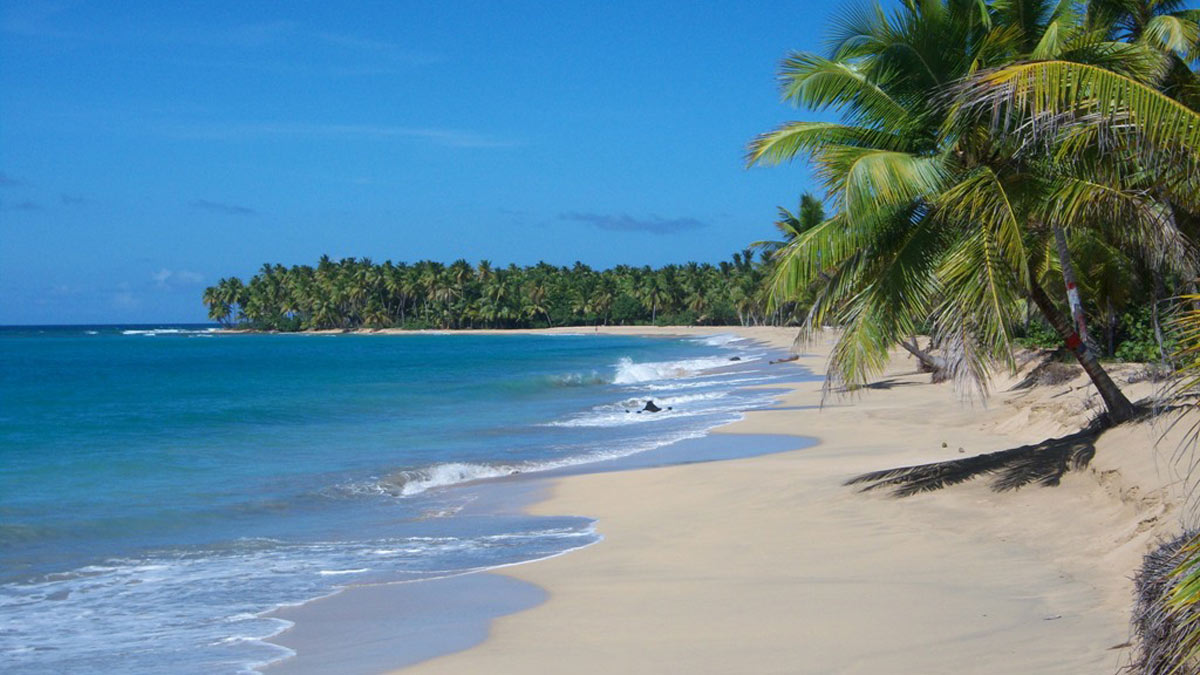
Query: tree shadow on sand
{"type": "Point", "coordinates": [1042, 463]}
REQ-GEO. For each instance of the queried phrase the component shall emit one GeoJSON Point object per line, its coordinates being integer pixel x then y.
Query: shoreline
{"type": "Point", "coordinates": [359, 629]}
{"type": "Point", "coordinates": [344, 630]}
{"type": "Point", "coordinates": [770, 564]}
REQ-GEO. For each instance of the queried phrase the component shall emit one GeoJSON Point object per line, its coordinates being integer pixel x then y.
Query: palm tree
{"type": "Point", "coordinates": [535, 302]}
{"type": "Point", "coordinates": [218, 309]}
{"type": "Point", "coordinates": [356, 292]}
{"type": "Point", "coordinates": [810, 214]}
{"type": "Point", "coordinates": [652, 294]}
{"type": "Point", "coordinates": [939, 219]}
{"type": "Point", "coordinates": [1165, 25]}
{"type": "Point", "coordinates": [231, 293]}
{"type": "Point", "coordinates": [601, 299]}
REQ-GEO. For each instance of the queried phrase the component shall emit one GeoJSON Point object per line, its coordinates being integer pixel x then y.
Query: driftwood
{"type": "Point", "coordinates": [929, 363]}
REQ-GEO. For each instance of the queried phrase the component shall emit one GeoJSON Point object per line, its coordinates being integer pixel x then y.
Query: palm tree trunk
{"type": "Point", "coordinates": [1158, 292]}
{"type": "Point", "coordinates": [1119, 408]}
{"type": "Point", "coordinates": [929, 363]}
{"type": "Point", "coordinates": [1068, 272]}
{"type": "Point", "coordinates": [1110, 329]}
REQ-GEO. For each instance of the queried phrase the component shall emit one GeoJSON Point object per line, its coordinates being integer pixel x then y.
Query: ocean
{"type": "Point", "coordinates": [163, 488]}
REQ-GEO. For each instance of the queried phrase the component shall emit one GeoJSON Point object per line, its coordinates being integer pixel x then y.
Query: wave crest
{"type": "Point", "coordinates": [154, 332]}
{"type": "Point", "coordinates": [719, 340]}
{"type": "Point", "coordinates": [630, 372]}
{"type": "Point", "coordinates": [415, 481]}
{"type": "Point", "coordinates": [578, 379]}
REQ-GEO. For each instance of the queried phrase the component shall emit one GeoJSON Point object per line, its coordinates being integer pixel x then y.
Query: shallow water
{"type": "Point", "coordinates": [162, 488]}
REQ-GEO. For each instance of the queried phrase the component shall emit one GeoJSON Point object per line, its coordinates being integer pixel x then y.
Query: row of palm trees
{"type": "Point", "coordinates": [357, 293]}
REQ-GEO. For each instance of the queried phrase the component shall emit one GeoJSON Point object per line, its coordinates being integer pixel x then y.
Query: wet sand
{"type": "Point", "coordinates": [771, 565]}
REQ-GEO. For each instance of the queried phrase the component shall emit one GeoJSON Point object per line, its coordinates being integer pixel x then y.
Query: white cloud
{"type": "Point", "coordinates": [170, 279]}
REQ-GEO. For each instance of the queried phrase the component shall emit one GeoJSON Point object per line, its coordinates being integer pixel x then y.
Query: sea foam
{"type": "Point", "coordinates": [154, 332]}
{"type": "Point", "coordinates": [386, 429]}
{"type": "Point", "coordinates": [630, 372]}
{"type": "Point", "coordinates": [719, 340]}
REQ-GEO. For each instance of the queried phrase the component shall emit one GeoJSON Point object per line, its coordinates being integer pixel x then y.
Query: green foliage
{"type": "Point", "coordinates": [970, 135]}
{"type": "Point", "coordinates": [685, 318]}
{"type": "Point", "coordinates": [357, 293]}
{"type": "Point", "coordinates": [1180, 609]}
{"type": "Point", "coordinates": [1138, 343]}
{"type": "Point", "coordinates": [627, 310]}
{"type": "Point", "coordinates": [1039, 336]}
{"type": "Point", "coordinates": [1134, 338]}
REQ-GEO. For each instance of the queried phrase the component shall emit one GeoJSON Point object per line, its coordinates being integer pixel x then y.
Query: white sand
{"type": "Point", "coordinates": [770, 565]}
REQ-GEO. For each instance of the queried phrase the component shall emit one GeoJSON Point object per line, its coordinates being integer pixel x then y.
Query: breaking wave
{"type": "Point", "coordinates": [154, 332]}
{"type": "Point", "coordinates": [719, 340]}
{"type": "Point", "coordinates": [630, 372]}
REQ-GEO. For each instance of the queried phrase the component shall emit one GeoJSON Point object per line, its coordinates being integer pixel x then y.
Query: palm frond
{"type": "Point", "coordinates": [1038, 100]}
{"type": "Point", "coordinates": [838, 283]}
{"type": "Point", "coordinates": [1173, 33]}
{"type": "Point", "coordinates": [1132, 217]}
{"type": "Point", "coordinates": [1187, 335]}
{"type": "Point", "coordinates": [854, 30]}
{"type": "Point", "coordinates": [804, 259]}
{"type": "Point", "coordinates": [981, 198]}
{"type": "Point", "coordinates": [1051, 43]}
{"type": "Point", "coordinates": [1166, 614]}
{"type": "Point", "coordinates": [983, 276]}
{"type": "Point", "coordinates": [1134, 60]}
{"type": "Point", "coordinates": [863, 181]}
{"type": "Point", "coordinates": [815, 82]}
{"type": "Point", "coordinates": [981, 303]}
{"type": "Point", "coordinates": [896, 298]}
{"type": "Point", "coordinates": [797, 139]}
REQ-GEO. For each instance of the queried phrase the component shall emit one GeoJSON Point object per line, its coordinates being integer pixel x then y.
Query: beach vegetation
{"type": "Point", "coordinates": [991, 160]}
{"type": "Point", "coordinates": [1166, 613]}
{"type": "Point", "coordinates": [359, 294]}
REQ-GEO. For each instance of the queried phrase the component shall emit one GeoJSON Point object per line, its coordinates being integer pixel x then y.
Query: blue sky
{"type": "Point", "coordinates": [149, 148]}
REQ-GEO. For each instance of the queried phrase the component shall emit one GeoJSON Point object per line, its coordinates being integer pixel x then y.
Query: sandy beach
{"type": "Point", "coordinates": [771, 565]}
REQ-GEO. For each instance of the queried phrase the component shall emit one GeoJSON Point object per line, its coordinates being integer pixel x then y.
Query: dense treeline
{"type": "Point", "coordinates": [358, 293]}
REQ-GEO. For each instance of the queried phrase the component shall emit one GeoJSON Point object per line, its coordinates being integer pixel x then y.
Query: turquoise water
{"type": "Point", "coordinates": [160, 489]}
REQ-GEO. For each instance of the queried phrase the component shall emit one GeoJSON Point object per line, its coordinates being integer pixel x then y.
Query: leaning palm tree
{"type": "Point", "coordinates": [939, 219]}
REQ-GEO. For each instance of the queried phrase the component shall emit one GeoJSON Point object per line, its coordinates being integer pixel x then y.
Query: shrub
{"type": "Point", "coordinates": [1038, 335]}
{"type": "Point", "coordinates": [1137, 338]}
